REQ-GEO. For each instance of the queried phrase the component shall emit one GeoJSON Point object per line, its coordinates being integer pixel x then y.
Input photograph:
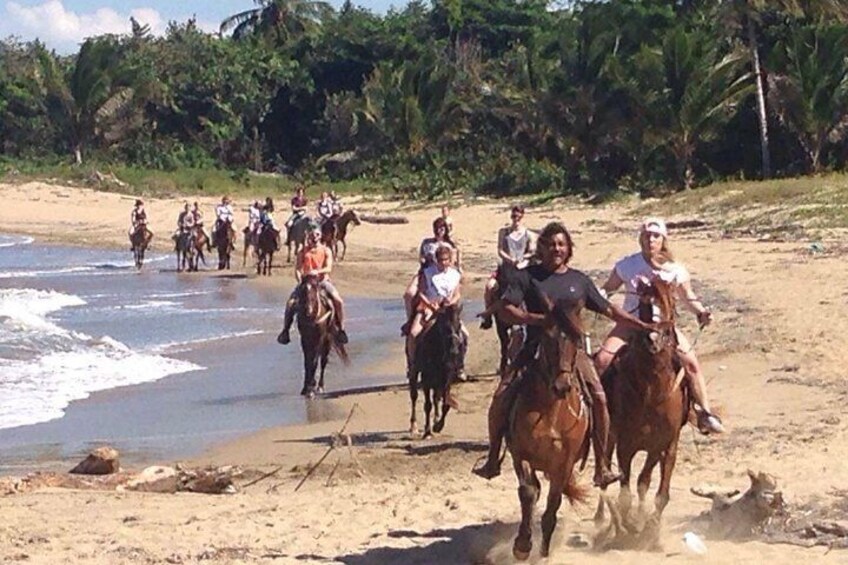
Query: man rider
{"type": "Point", "coordinates": [185, 222]}
{"type": "Point", "coordinates": [338, 208]}
{"type": "Point", "coordinates": [315, 259]}
{"type": "Point", "coordinates": [224, 215]}
{"type": "Point", "coordinates": [254, 213]}
{"type": "Point", "coordinates": [568, 288]}
{"type": "Point", "coordinates": [138, 219]}
{"type": "Point", "coordinates": [266, 220]}
{"type": "Point", "coordinates": [298, 209]}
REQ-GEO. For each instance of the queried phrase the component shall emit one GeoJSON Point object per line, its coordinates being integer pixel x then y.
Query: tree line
{"type": "Point", "coordinates": [496, 96]}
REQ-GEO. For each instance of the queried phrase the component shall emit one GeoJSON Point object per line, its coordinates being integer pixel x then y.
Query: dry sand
{"type": "Point", "coordinates": [774, 364]}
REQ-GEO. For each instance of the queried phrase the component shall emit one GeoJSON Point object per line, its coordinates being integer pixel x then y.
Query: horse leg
{"type": "Point", "coordinates": [643, 483]}
{"type": "Point", "coordinates": [549, 518]}
{"type": "Point", "coordinates": [625, 498]}
{"type": "Point", "coordinates": [667, 463]}
{"type": "Point", "coordinates": [412, 377]}
{"type": "Point", "coordinates": [611, 443]}
{"type": "Point", "coordinates": [428, 408]}
{"type": "Point", "coordinates": [528, 494]}
{"type": "Point", "coordinates": [439, 425]}
{"type": "Point", "coordinates": [325, 355]}
{"type": "Point", "coordinates": [344, 249]}
{"type": "Point", "coordinates": [310, 366]}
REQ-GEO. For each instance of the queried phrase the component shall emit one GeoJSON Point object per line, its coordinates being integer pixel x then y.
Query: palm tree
{"type": "Point", "coordinates": [702, 88]}
{"type": "Point", "coordinates": [811, 95]}
{"type": "Point", "coordinates": [88, 98]}
{"type": "Point", "coordinates": [745, 16]}
{"type": "Point", "coordinates": [283, 18]}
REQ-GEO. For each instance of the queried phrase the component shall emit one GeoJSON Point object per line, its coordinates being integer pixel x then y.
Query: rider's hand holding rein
{"type": "Point", "coordinates": [694, 304]}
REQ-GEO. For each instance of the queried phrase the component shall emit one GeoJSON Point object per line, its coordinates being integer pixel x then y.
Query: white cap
{"type": "Point", "coordinates": [655, 225]}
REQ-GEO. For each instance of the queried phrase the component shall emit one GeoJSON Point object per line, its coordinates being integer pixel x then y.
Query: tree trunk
{"type": "Point", "coordinates": [257, 151]}
{"type": "Point", "coordinates": [78, 154]}
{"type": "Point", "coordinates": [761, 100]}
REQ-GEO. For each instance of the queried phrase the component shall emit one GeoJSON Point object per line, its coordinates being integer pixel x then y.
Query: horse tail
{"type": "Point", "coordinates": [574, 492]}
{"type": "Point", "coordinates": [341, 351]}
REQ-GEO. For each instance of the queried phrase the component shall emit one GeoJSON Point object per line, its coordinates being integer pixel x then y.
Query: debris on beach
{"type": "Point", "coordinates": [101, 461]}
{"type": "Point", "coordinates": [373, 219]}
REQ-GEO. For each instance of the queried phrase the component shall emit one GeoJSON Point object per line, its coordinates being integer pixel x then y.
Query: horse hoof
{"type": "Point", "coordinates": [438, 427]}
{"type": "Point", "coordinates": [427, 435]}
{"type": "Point", "coordinates": [520, 554]}
{"type": "Point", "coordinates": [319, 390]}
{"type": "Point", "coordinates": [413, 429]}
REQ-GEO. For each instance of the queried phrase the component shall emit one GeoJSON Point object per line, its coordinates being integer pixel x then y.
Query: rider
{"type": "Point", "coordinates": [185, 222]}
{"type": "Point", "coordinates": [253, 215]}
{"type": "Point", "coordinates": [198, 223]}
{"type": "Point", "coordinates": [298, 206]}
{"type": "Point", "coordinates": [447, 218]}
{"type": "Point", "coordinates": [224, 216]}
{"type": "Point", "coordinates": [338, 208]}
{"type": "Point", "coordinates": [426, 257]}
{"type": "Point", "coordinates": [567, 288]}
{"type": "Point", "coordinates": [138, 219]}
{"type": "Point", "coordinates": [516, 246]}
{"type": "Point", "coordinates": [655, 259]}
{"type": "Point", "coordinates": [314, 259]}
{"type": "Point", "coordinates": [440, 287]}
{"type": "Point", "coordinates": [325, 208]}
{"type": "Point", "coordinates": [266, 219]}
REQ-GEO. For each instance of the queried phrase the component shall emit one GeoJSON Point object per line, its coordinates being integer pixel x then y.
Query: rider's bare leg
{"type": "Point", "coordinates": [338, 303]}
{"type": "Point", "coordinates": [707, 421]}
{"type": "Point", "coordinates": [416, 326]}
{"type": "Point", "coordinates": [408, 299]}
{"type": "Point", "coordinates": [288, 319]}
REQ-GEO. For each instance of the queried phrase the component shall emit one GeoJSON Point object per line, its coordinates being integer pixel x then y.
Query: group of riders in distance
{"type": "Point", "coordinates": [192, 240]}
{"type": "Point", "coordinates": [555, 398]}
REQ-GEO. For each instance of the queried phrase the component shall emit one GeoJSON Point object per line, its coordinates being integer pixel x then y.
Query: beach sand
{"type": "Point", "coordinates": [775, 369]}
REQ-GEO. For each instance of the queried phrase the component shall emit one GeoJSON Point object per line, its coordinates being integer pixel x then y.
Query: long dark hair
{"type": "Point", "coordinates": [441, 223]}
{"type": "Point", "coordinates": [552, 230]}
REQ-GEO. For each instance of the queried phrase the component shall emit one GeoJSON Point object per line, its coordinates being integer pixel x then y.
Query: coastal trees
{"type": "Point", "coordinates": [280, 20]}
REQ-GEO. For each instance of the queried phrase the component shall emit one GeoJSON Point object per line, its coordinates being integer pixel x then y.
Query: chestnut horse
{"type": "Point", "coordinates": [648, 406]}
{"type": "Point", "coordinates": [549, 429]}
{"type": "Point", "coordinates": [438, 361]}
{"type": "Point", "coordinates": [140, 240]}
{"type": "Point", "coordinates": [316, 323]}
{"type": "Point", "coordinates": [340, 226]}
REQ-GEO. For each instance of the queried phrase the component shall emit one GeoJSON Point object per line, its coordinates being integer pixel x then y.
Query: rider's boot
{"type": "Point", "coordinates": [709, 423]}
{"type": "Point", "coordinates": [285, 338]}
{"type": "Point", "coordinates": [604, 476]}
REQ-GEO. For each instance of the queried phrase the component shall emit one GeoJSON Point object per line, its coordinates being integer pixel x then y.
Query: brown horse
{"type": "Point", "coordinates": [549, 429]}
{"type": "Point", "coordinates": [341, 224]}
{"type": "Point", "coordinates": [316, 323]}
{"type": "Point", "coordinates": [140, 240]}
{"type": "Point", "coordinates": [265, 249]}
{"type": "Point", "coordinates": [438, 361]}
{"type": "Point", "coordinates": [251, 239]}
{"type": "Point", "coordinates": [224, 241]}
{"type": "Point", "coordinates": [648, 406]}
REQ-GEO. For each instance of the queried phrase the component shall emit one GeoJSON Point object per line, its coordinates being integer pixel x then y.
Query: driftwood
{"type": "Point", "coordinates": [738, 515]}
{"type": "Point", "coordinates": [686, 224]}
{"type": "Point", "coordinates": [371, 219]}
{"type": "Point", "coordinates": [102, 178]}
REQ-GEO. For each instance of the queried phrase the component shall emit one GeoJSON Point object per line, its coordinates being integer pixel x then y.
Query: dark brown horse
{"type": "Point", "coordinates": [265, 249]}
{"type": "Point", "coordinates": [438, 361]}
{"type": "Point", "coordinates": [317, 325]}
{"type": "Point", "coordinates": [224, 241]}
{"type": "Point", "coordinates": [251, 239]}
{"type": "Point", "coordinates": [140, 240]}
{"type": "Point", "coordinates": [648, 406]}
{"type": "Point", "coordinates": [511, 338]}
{"type": "Point", "coordinates": [186, 249]}
{"type": "Point", "coordinates": [339, 229]}
{"type": "Point", "coordinates": [549, 426]}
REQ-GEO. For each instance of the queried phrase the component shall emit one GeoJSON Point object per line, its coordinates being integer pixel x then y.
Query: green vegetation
{"type": "Point", "coordinates": [500, 97]}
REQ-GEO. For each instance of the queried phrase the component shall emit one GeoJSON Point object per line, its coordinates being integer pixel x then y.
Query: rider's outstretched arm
{"type": "Point", "coordinates": [618, 314]}
{"type": "Point", "coordinates": [613, 283]}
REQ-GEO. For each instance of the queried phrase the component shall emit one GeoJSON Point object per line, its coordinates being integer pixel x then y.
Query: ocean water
{"type": "Point", "coordinates": [158, 364]}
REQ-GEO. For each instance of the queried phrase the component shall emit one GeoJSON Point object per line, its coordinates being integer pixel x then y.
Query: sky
{"type": "Point", "coordinates": [63, 24]}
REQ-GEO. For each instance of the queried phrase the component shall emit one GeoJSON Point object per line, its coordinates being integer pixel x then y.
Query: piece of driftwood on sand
{"type": "Point", "coordinates": [372, 219]}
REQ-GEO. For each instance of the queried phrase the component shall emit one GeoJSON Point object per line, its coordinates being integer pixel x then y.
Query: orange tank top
{"type": "Point", "coordinates": [314, 259]}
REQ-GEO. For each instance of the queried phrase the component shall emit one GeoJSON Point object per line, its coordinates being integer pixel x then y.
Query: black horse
{"type": "Point", "coordinates": [224, 240]}
{"type": "Point", "coordinates": [140, 240]}
{"type": "Point", "coordinates": [317, 326]}
{"type": "Point", "coordinates": [267, 245]}
{"type": "Point", "coordinates": [438, 360]}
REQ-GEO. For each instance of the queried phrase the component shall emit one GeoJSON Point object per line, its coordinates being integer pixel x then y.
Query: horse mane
{"type": "Point", "coordinates": [568, 321]}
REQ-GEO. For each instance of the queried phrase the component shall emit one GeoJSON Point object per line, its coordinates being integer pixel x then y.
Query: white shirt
{"type": "Point", "coordinates": [440, 285]}
{"type": "Point", "coordinates": [253, 215]}
{"type": "Point", "coordinates": [634, 267]}
{"type": "Point", "coordinates": [224, 213]}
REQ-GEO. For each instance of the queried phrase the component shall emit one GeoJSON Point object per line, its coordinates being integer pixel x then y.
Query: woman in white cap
{"type": "Point", "coordinates": [655, 259]}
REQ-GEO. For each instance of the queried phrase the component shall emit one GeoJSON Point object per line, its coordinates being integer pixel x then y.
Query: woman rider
{"type": "Point", "coordinates": [655, 259]}
{"type": "Point", "coordinates": [570, 289]}
{"type": "Point", "coordinates": [427, 257]}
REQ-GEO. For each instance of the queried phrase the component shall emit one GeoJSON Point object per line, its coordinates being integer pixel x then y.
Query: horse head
{"type": "Point", "coordinates": [447, 336]}
{"type": "Point", "coordinates": [657, 304]}
{"type": "Point", "coordinates": [561, 338]}
{"type": "Point", "coordinates": [310, 297]}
